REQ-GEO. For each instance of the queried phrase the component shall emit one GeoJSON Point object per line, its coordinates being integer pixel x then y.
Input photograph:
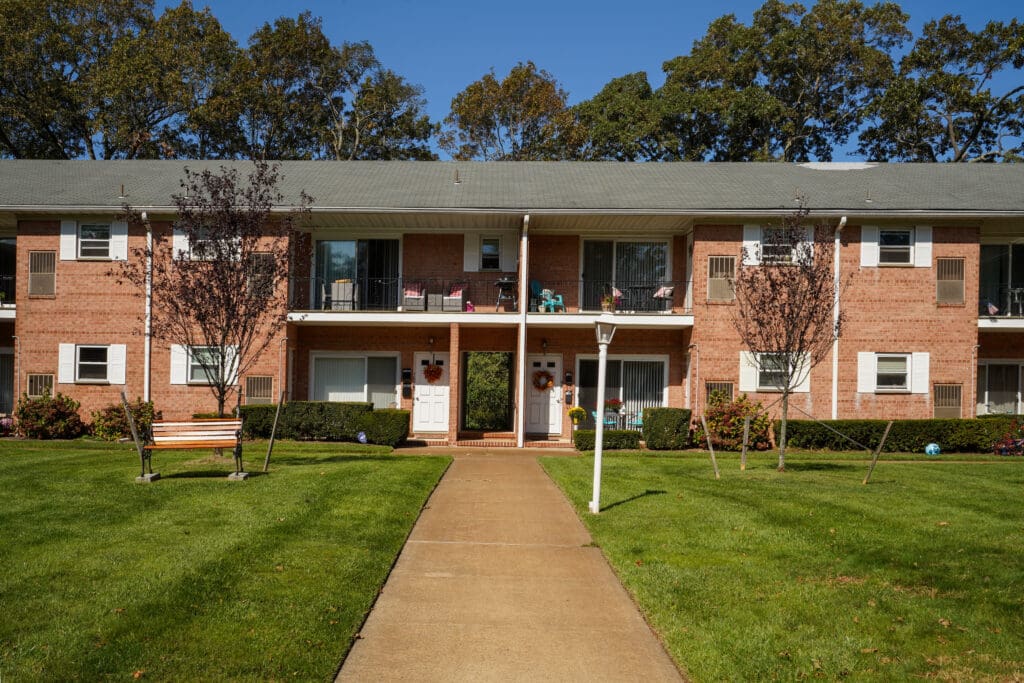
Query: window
{"type": "Point", "coordinates": [891, 372]}
{"type": "Point", "coordinates": [949, 286]}
{"type": "Point", "coordinates": [999, 388]}
{"type": "Point", "coordinates": [721, 270]}
{"type": "Point", "coordinates": [355, 378]}
{"type": "Point", "coordinates": [638, 383]}
{"type": "Point", "coordinates": [724, 388]}
{"type": "Point", "coordinates": [357, 275]}
{"type": "Point", "coordinates": [94, 240]}
{"type": "Point", "coordinates": [260, 278]}
{"type": "Point", "coordinates": [91, 364]}
{"type": "Point", "coordinates": [39, 385]}
{"type": "Point", "coordinates": [259, 389]}
{"type": "Point", "coordinates": [490, 253]}
{"type": "Point", "coordinates": [894, 247]}
{"type": "Point", "coordinates": [637, 270]}
{"type": "Point", "coordinates": [947, 400]}
{"type": "Point", "coordinates": [42, 275]}
{"type": "Point", "coordinates": [771, 371]}
{"type": "Point", "coordinates": [203, 364]}
{"type": "Point", "coordinates": [777, 246]}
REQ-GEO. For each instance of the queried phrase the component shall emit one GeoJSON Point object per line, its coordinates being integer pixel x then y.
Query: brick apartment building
{"type": "Point", "coordinates": [406, 269]}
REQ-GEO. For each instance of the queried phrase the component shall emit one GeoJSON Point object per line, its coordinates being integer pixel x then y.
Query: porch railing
{"type": "Point", "coordinates": [381, 294]}
{"type": "Point", "coordinates": [6, 289]}
{"type": "Point", "coordinates": [626, 296]}
{"type": "Point", "coordinates": [1001, 301]}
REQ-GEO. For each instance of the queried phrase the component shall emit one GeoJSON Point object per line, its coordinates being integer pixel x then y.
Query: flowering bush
{"type": "Point", "coordinates": [613, 405]}
{"type": "Point", "coordinates": [725, 422]}
{"type": "Point", "coordinates": [49, 417]}
{"type": "Point", "coordinates": [6, 426]}
{"type": "Point", "coordinates": [1012, 442]}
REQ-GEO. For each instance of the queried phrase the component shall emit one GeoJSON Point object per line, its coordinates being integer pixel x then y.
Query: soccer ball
{"type": "Point", "coordinates": [932, 449]}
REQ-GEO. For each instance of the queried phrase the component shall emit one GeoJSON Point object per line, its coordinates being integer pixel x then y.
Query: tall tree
{"type": "Point", "coordinates": [942, 105]}
{"type": "Point", "coordinates": [53, 53]}
{"type": "Point", "coordinates": [519, 118]}
{"type": "Point", "coordinates": [793, 85]}
{"type": "Point", "coordinates": [623, 122]}
{"type": "Point", "coordinates": [784, 306]}
{"type": "Point", "coordinates": [222, 296]}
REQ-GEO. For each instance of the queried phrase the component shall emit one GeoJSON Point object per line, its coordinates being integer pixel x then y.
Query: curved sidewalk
{"type": "Point", "coordinates": [498, 582]}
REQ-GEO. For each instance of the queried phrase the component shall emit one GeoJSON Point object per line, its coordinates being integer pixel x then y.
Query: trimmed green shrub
{"type": "Point", "coordinates": [907, 436]}
{"type": "Point", "coordinates": [387, 427]}
{"type": "Point", "coordinates": [49, 417]}
{"type": "Point", "coordinates": [110, 423]}
{"type": "Point", "coordinates": [257, 421]}
{"type": "Point", "coordinates": [322, 420]}
{"type": "Point", "coordinates": [725, 420]}
{"type": "Point", "coordinates": [666, 429]}
{"type": "Point", "coordinates": [614, 439]}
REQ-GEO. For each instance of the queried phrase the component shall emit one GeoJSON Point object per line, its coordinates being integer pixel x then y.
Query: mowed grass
{"type": "Point", "coordinates": [194, 577]}
{"type": "Point", "coordinates": [809, 573]}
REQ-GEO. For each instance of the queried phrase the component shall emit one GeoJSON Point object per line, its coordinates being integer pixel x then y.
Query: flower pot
{"type": "Point", "coordinates": [608, 308]}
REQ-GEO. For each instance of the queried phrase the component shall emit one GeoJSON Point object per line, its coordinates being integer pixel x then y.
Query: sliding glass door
{"type": "Point", "coordinates": [357, 274]}
{"type": "Point", "coordinates": [639, 384]}
{"type": "Point", "coordinates": [633, 271]}
{"type": "Point", "coordinates": [999, 388]}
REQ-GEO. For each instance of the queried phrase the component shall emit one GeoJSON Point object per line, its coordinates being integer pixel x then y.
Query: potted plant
{"type": "Point", "coordinates": [612, 405]}
{"type": "Point", "coordinates": [576, 414]}
{"type": "Point", "coordinates": [608, 303]}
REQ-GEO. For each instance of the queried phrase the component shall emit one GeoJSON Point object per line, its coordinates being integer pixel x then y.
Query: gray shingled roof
{"type": "Point", "coordinates": [576, 187]}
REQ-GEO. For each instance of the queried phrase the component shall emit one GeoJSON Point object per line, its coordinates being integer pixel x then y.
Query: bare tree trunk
{"type": "Point", "coordinates": [782, 432]}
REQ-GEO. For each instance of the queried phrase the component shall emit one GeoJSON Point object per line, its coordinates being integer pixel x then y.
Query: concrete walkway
{"type": "Point", "coordinates": [496, 583]}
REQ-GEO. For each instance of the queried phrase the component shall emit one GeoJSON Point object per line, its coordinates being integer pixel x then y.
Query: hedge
{"type": "Point", "coordinates": [908, 436]}
{"type": "Point", "coordinates": [387, 427]}
{"type": "Point", "coordinates": [322, 420]}
{"type": "Point", "coordinates": [666, 429]}
{"type": "Point", "coordinates": [257, 420]}
{"type": "Point", "coordinates": [614, 439]}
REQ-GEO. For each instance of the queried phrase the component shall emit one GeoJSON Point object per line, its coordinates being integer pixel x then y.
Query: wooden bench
{"type": "Point", "coordinates": [196, 434]}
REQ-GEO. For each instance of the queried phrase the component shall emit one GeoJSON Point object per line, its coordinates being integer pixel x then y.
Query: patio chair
{"type": "Point", "coordinates": [452, 301]}
{"type": "Point", "coordinates": [608, 421]}
{"type": "Point", "coordinates": [414, 296]}
{"type": "Point", "coordinates": [637, 421]}
{"type": "Point", "coordinates": [551, 301]}
{"type": "Point", "coordinates": [664, 297]}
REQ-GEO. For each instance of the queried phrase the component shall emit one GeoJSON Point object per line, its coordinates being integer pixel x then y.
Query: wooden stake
{"type": "Point", "coordinates": [707, 435]}
{"type": "Point", "coordinates": [874, 458]}
{"type": "Point", "coordinates": [746, 437]}
{"type": "Point", "coordinates": [273, 432]}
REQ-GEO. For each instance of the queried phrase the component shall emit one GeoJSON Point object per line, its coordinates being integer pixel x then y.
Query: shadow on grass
{"type": "Point", "coordinates": [207, 474]}
{"type": "Point", "coordinates": [821, 466]}
{"type": "Point", "coordinates": [341, 457]}
{"type": "Point", "coordinates": [646, 493]}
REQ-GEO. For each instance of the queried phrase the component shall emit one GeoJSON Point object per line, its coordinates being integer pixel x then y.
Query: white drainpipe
{"type": "Point", "coordinates": [147, 348]}
{"type": "Point", "coordinates": [835, 323]}
{"type": "Point", "coordinates": [524, 304]}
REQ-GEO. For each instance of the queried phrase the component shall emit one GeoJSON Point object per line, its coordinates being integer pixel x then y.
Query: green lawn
{"type": "Point", "coordinates": [808, 573]}
{"type": "Point", "coordinates": [194, 577]}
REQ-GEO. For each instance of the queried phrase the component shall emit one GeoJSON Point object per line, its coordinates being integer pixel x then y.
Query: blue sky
{"type": "Point", "coordinates": [444, 45]}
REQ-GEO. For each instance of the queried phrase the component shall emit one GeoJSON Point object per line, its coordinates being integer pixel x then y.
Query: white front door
{"type": "Point", "coordinates": [430, 395]}
{"type": "Point", "coordinates": [543, 402]}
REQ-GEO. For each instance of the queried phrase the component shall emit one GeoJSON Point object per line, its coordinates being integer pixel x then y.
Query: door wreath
{"type": "Point", "coordinates": [543, 380]}
{"type": "Point", "coordinates": [433, 372]}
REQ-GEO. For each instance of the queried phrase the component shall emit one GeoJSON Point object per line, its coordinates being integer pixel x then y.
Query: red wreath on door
{"type": "Point", "coordinates": [433, 372]}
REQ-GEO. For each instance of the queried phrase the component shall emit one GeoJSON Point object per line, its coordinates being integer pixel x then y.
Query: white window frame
{"type": "Point", "coordinates": [508, 251]}
{"type": "Point", "coordinates": [182, 363]}
{"type": "Point", "coordinates": [754, 242]}
{"type": "Point", "coordinates": [71, 242]}
{"type": "Point", "coordinates": [892, 249]}
{"type": "Point", "coordinates": [316, 355]}
{"type": "Point", "coordinates": [69, 364]}
{"type": "Point", "coordinates": [495, 239]}
{"type": "Point", "coordinates": [918, 363]}
{"type": "Point", "coordinates": [194, 364]}
{"type": "Point", "coordinates": [94, 242]}
{"type": "Point", "coordinates": [891, 388]}
{"type": "Point", "coordinates": [750, 375]}
{"type": "Point", "coordinates": [920, 246]}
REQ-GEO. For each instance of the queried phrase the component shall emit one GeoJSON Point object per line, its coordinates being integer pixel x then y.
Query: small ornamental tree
{"type": "Point", "coordinates": [785, 295]}
{"type": "Point", "coordinates": [218, 292]}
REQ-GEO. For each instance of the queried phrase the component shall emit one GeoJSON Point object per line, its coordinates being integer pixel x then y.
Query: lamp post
{"type": "Point", "coordinates": [605, 330]}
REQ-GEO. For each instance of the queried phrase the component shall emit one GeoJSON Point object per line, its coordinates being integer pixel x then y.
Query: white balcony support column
{"type": "Point", "coordinates": [835, 320]}
{"type": "Point", "coordinates": [524, 304]}
{"type": "Point", "coordinates": [147, 348]}
{"type": "Point", "coordinates": [605, 330]}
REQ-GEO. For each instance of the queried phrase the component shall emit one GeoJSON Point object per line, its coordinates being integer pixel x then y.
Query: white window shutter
{"type": "Point", "coordinates": [808, 244]}
{"type": "Point", "coordinates": [869, 247]}
{"type": "Point", "coordinates": [68, 240]}
{"type": "Point", "coordinates": [179, 364]}
{"type": "Point", "coordinates": [748, 371]}
{"type": "Point", "coordinates": [231, 354]}
{"type": "Point", "coordinates": [116, 361]}
{"type": "Point", "coordinates": [471, 253]}
{"type": "Point", "coordinates": [509, 253]}
{"type": "Point", "coordinates": [179, 244]}
{"type": "Point", "coordinates": [803, 375]}
{"type": "Point", "coordinates": [867, 372]}
{"type": "Point", "coordinates": [119, 241]}
{"type": "Point", "coordinates": [919, 373]}
{"type": "Point", "coordinates": [66, 364]}
{"type": "Point", "coordinates": [923, 246]}
{"type": "Point", "coordinates": [751, 245]}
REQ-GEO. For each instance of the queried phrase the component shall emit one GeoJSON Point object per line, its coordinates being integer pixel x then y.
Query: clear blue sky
{"type": "Point", "coordinates": [444, 45]}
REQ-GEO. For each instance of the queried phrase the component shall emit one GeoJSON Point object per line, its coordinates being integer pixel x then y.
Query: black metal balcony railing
{"type": "Point", "coordinates": [480, 292]}
{"type": "Point", "coordinates": [1001, 301]}
{"type": "Point", "coordinates": [6, 289]}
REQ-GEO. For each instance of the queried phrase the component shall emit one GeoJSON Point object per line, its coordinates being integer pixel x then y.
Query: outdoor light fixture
{"type": "Point", "coordinates": [604, 327]}
{"type": "Point", "coordinates": [544, 345]}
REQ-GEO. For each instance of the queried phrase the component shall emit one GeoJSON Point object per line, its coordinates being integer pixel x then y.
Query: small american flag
{"type": "Point", "coordinates": [992, 308]}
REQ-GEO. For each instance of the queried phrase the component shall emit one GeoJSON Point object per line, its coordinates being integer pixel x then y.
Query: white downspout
{"type": "Point", "coordinates": [835, 321]}
{"type": "Point", "coordinates": [147, 348]}
{"type": "Point", "coordinates": [524, 304]}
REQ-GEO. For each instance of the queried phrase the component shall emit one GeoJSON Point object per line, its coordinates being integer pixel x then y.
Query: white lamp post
{"type": "Point", "coordinates": [605, 329]}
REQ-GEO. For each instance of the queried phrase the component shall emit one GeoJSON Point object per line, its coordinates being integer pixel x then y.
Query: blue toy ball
{"type": "Point", "coordinates": [361, 436]}
{"type": "Point", "coordinates": [932, 449]}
